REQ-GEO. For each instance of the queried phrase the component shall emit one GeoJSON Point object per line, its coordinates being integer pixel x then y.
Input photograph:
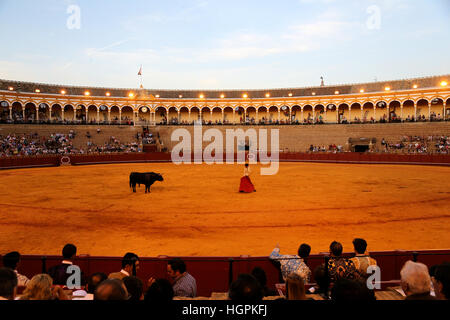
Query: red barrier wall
{"type": "Point", "coordinates": [349, 157]}
{"type": "Point", "coordinates": [213, 273]}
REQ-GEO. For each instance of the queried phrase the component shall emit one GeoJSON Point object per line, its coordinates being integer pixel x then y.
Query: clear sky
{"type": "Point", "coordinates": [226, 44]}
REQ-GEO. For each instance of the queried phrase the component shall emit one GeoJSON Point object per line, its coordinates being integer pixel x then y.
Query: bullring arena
{"type": "Point", "coordinates": [197, 211]}
{"type": "Point", "coordinates": [367, 160]}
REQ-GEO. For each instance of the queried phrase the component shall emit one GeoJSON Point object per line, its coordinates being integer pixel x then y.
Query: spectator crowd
{"type": "Point", "coordinates": [338, 279]}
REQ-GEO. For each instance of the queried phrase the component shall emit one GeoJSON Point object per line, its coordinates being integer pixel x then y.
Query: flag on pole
{"type": "Point", "coordinates": [140, 71]}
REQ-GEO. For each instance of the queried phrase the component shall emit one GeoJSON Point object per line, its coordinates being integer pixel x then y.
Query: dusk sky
{"type": "Point", "coordinates": [207, 44]}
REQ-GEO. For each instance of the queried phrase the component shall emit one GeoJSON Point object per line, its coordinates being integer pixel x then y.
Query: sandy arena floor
{"type": "Point", "coordinates": [197, 210]}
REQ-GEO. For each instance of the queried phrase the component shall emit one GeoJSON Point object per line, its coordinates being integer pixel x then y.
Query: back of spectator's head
{"type": "Point", "coordinates": [177, 265]}
{"type": "Point", "coordinates": [111, 289]}
{"type": "Point", "coordinates": [134, 286]}
{"type": "Point", "coordinates": [8, 283]}
{"type": "Point", "coordinates": [11, 259]}
{"type": "Point", "coordinates": [39, 288]}
{"type": "Point", "coordinates": [304, 250]}
{"type": "Point", "coordinates": [94, 280]}
{"type": "Point", "coordinates": [129, 259]}
{"type": "Point", "coordinates": [415, 278]}
{"type": "Point", "coordinates": [260, 275]}
{"type": "Point", "coordinates": [442, 281]}
{"type": "Point", "coordinates": [295, 288]}
{"type": "Point", "coordinates": [360, 245]}
{"type": "Point", "coordinates": [351, 290]}
{"type": "Point", "coordinates": [69, 251]}
{"type": "Point", "coordinates": [160, 291]}
{"type": "Point", "coordinates": [336, 248]}
{"type": "Point", "coordinates": [246, 289]}
{"type": "Point", "coordinates": [321, 278]}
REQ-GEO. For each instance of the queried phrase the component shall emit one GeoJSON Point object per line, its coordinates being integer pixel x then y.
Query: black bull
{"type": "Point", "coordinates": [145, 178]}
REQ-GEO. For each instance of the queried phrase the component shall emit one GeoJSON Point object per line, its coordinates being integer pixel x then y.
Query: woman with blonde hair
{"type": "Point", "coordinates": [40, 288]}
{"type": "Point", "coordinates": [295, 288]}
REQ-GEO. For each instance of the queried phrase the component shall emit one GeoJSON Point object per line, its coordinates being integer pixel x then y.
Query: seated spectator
{"type": "Point", "coordinates": [293, 264]}
{"type": "Point", "coordinates": [340, 267]}
{"type": "Point", "coordinates": [441, 281]}
{"type": "Point", "coordinates": [59, 272]}
{"type": "Point", "coordinates": [135, 288]}
{"type": "Point", "coordinates": [111, 290]}
{"type": "Point", "coordinates": [246, 289]}
{"type": "Point", "coordinates": [416, 281]}
{"type": "Point", "coordinates": [159, 291]}
{"type": "Point", "coordinates": [94, 280]}
{"type": "Point", "coordinates": [260, 275]}
{"type": "Point", "coordinates": [295, 288]}
{"type": "Point", "coordinates": [11, 260]}
{"type": "Point", "coordinates": [362, 260]}
{"type": "Point", "coordinates": [322, 282]}
{"type": "Point", "coordinates": [184, 284]}
{"type": "Point", "coordinates": [40, 288]}
{"type": "Point", "coordinates": [8, 284]}
{"type": "Point", "coordinates": [351, 290]}
{"type": "Point", "coordinates": [130, 262]}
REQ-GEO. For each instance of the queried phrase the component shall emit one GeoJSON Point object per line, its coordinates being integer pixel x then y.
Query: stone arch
{"type": "Point", "coordinates": [115, 114]}
{"type": "Point", "coordinates": [368, 112]}
{"type": "Point", "coordinates": [395, 111]}
{"type": "Point", "coordinates": [422, 111]}
{"type": "Point", "coordinates": [217, 115]}
{"type": "Point", "coordinates": [184, 115]}
{"type": "Point", "coordinates": [195, 114]}
{"type": "Point", "coordinates": [80, 113]}
{"type": "Point", "coordinates": [17, 112]}
{"type": "Point", "coordinates": [173, 115]}
{"type": "Point", "coordinates": [308, 117]}
{"type": "Point", "coordinates": [56, 114]}
{"type": "Point", "coordinates": [250, 113]}
{"type": "Point", "coordinates": [127, 115]}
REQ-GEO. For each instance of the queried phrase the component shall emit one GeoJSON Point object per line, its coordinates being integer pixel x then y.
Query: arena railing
{"type": "Point", "coordinates": [214, 274]}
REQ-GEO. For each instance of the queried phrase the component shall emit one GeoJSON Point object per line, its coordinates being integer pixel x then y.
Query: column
{"type": "Point", "coordinates": [429, 110]}
{"type": "Point", "coordinates": [62, 113]}
{"type": "Point", "coordinates": [301, 121]}
{"type": "Point", "coordinates": [375, 112]}
{"type": "Point", "coordinates": [87, 115]}
{"type": "Point", "coordinates": [50, 113]}
{"type": "Point", "coordinates": [290, 115]}
{"type": "Point", "coordinates": [362, 114]}
{"type": "Point", "coordinates": [388, 113]}
{"type": "Point", "coordinates": [313, 114]}
{"type": "Point", "coordinates": [223, 116]}
{"type": "Point", "coordinates": [401, 112]}
{"type": "Point", "coordinates": [23, 113]}
{"type": "Point", "coordinates": [98, 116]}
{"type": "Point", "coordinates": [211, 116]}
{"type": "Point", "coordinates": [109, 116]}
{"type": "Point", "coordinates": [337, 114]}
{"type": "Point", "coordinates": [120, 116]}
{"type": "Point", "coordinates": [325, 114]}
{"type": "Point", "coordinates": [279, 115]}
{"type": "Point", "coordinates": [167, 116]}
{"type": "Point", "coordinates": [415, 111]}
{"type": "Point", "coordinates": [234, 111]}
{"type": "Point", "coordinates": [268, 116]}
{"type": "Point", "coordinates": [245, 116]}
{"type": "Point", "coordinates": [443, 116]}
{"type": "Point", "coordinates": [36, 119]}
{"type": "Point", "coordinates": [10, 112]}
{"type": "Point", "coordinates": [256, 116]}
{"type": "Point", "coordinates": [349, 114]}
{"type": "Point", "coordinates": [74, 113]}
{"type": "Point", "coordinates": [179, 119]}
{"type": "Point", "coordinates": [189, 116]}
